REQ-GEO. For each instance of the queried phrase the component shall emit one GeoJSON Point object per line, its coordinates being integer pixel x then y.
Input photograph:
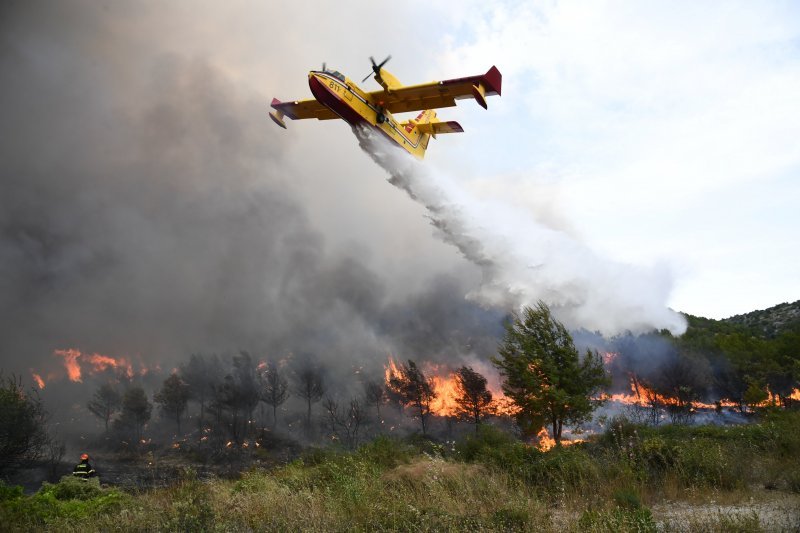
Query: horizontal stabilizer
{"type": "Point", "coordinates": [435, 128]}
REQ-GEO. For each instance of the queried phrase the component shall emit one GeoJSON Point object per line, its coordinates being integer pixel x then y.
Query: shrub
{"type": "Point", "coordinates": [23, 418]}
{"type": "Point", "coordinates": [656, 454]}
{"type": "Point", "coordinates": [386, 452]}
{"type": "Point", "coordinates": [511, 519]}
{"type": "Point", "coordinates": [619, 519]}
{"type": "Point", "coordinates": [627, 498]}
{"type": "Point", "coordinates": [190, 507]}
{"type": "Point", "coordinates": [9, 492]}
{"type": "Point", "coordinates": [70, 500]}
{"type": "Point", "coordinates": [705, 463]}
{"type": "Point", "coordinates": [560, 468]}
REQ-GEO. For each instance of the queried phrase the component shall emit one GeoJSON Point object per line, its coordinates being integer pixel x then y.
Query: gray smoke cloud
{"type": "Point", "coordinates": [148, 212]}
{"type": "Point", "coordinates": [149, 209]}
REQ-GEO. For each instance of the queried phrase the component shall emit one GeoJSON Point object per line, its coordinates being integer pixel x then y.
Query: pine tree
{"type": "Point", "coordinates": [413, 389]}
{"type": "Point", "coordinates": [275, 389]}
{"type": "Point", "coordinates": [173, 397]}
{"type": "Point", "coordinates": [474, 400]}
{"type": "Point", "coordinates": [104, 403]}
{"type": "Point", "coordinates": [544, 374]}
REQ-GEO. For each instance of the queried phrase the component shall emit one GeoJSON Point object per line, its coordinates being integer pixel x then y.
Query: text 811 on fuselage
{"type": "Point", "coordinates": [338, 97]}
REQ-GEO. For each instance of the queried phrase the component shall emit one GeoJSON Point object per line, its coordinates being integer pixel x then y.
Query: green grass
{"type": "Point", "coordinates": [489, 482]}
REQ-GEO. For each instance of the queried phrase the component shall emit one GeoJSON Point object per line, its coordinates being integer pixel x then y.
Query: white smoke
{"type": "Point", "coordinates": [524, 261]}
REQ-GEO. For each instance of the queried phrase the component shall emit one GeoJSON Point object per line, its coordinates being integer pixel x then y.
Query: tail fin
{"type": "Point", "coordinates": [430, 126]}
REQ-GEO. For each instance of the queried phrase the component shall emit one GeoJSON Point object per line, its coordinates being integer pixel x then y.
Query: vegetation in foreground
{"type": "Point", "coordinates": [490, 481]}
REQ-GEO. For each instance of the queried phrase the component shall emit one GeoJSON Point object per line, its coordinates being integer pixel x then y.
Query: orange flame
{"type": "Point", "coordinates": [38, 379]}
{"type": "Point", "coordinates": [443, 382]}
{"type": "Point", "coordinates": [71, 363]}
{"type": "Point", "coordinates": [546, 442]}
{"type": "Point", "coordinates": [609, 357]}
{"type": "Point", "coordinates": [446, 392]}
{"type": "Point", "coordinates": [102, 362]}
{"type": "Point", "coordinates": [75, 362]}
{"type": "Point", "coordinates": [642, 396]}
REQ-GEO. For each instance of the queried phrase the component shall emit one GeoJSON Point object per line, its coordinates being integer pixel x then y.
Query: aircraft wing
{"type": "Point", "coordinates": [438, 94]}
{"type": "Point", "coordinates": [299, 109]}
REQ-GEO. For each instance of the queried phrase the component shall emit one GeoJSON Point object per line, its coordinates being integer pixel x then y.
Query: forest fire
{"type": "Point", "coordinates": [444, 384]}
{"type": "Point", "coordinates": [76, 362]}
{"type": "Point", "coordinates": [38, 379]}
{"type": "Point", "coordinates": [545, 441]}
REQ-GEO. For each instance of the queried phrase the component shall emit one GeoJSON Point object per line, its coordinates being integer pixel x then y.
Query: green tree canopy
{"type": "Point", "coordinates": [413, 389]}
{"type": "Point", "coordinates": [544, 374]}
{"type": "Point", "coordinates": [474, 400]}
{"type": "Point", "coordinates": [173, 397]}
{"type": "Point", "coordinates": [136, 409]}
{"type": "Point", "coordinates": [23, 435]}
{"type": "Point", "coordinates": [105, 402]}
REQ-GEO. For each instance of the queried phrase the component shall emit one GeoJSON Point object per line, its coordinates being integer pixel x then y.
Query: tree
{"type": "Point", "coordinates": [104, 403]}
{"type": "Point", "coordinates": [755, 395]}
{"type": "Point", "coordinates": [309, 385]}
{"type": "Point", "coordinates": [544, 374]}
{"type": "Point", "coordinates": [474, 400]}
{"type": "Point", "coordinates": [136, 410]}
{"type": "Point", "coordinates": [275, 389]}
{"type": "Point", "coordinates": [682, 380]}
{"type": "Point", "coordinates": [23, 420]}
{"type": "Point", "coordinates": [349, 419]}
{"type": "Point", "coordinates": [239, 395]}
{"type": "Point", "coordinates": [248, 382]}
{"type": "Point", "coordinates": [173, 397]}
{"type": "Point", "coordinates": [413, 389]}
{"type": "Point", "coordinates": [203, 375]}
{"type": "Point", "coordinates": [375, 394]}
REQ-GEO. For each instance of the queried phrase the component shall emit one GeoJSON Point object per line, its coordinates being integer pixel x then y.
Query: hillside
{"type": "Point", "coordinates": [769, 322]}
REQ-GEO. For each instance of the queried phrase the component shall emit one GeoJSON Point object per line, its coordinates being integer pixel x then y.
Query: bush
{"type": "Point", "coordinates": [657, 455]}
{"type": "Point", "coordinates": [70, 500]}
{"type": "Point", "coordinates": [10, 492]}
{"type": "Point", "coordinates": [23, 436]}
{"type": "Point", "coordinates": [72, 488]}
{"type": "Point", "coordinates": [190, 507]}
{"type": "Point", "coordinates": [386, 452]}
{"type": "Point", "coordinates": [511, 519]}
{"type": "Point", "coordinates": [619, 519]}
{"type": "Point", "coordinates": [627, 498]}
{"type": "Point", "coordinates": [703, 462]}
{"type": "Point", "coordinates": [488, 440]}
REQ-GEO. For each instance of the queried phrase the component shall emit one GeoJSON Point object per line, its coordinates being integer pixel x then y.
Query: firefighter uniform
{"type": "Point", "coordinates": [83, 470]}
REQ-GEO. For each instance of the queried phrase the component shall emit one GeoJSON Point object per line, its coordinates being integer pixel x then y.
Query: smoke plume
{"type": "Point", "coordinates": [523, 261]}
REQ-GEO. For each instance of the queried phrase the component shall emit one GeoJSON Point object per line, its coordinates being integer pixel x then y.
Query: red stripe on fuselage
{"type": "Point", "coordinates": [332, 101]}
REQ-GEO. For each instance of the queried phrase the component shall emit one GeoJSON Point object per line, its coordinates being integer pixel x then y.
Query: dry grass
{"type": "Point", "coordinates": [658, 481]}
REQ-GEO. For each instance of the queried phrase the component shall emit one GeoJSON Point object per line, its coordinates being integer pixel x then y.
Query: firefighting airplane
{"type": "Point", "coordinates": [338, 97]}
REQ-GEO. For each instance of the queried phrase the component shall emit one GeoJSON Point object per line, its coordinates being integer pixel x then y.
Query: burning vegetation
{"type": "Point", "coordinates": [550, 394]}
{"type": "Point", "coordinates": [628, 401]}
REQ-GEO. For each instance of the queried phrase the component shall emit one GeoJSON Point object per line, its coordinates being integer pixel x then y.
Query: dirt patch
{"type": "Point", "coordinates": [767, 510]}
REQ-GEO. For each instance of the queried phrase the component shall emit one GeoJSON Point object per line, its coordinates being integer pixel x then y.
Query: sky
{"type": "Point", "coordinates": [150, 206]}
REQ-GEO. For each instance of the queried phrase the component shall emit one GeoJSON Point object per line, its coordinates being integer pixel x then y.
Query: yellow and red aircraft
{"type": "Point", "coordinates": [338, 97]}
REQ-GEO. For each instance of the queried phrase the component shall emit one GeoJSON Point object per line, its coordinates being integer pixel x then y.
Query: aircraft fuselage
{"type": "Point", "coordinates": [356, 107]}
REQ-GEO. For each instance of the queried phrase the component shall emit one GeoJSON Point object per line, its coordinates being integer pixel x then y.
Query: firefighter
{"type": "Point", "coordinates": [83, 470]}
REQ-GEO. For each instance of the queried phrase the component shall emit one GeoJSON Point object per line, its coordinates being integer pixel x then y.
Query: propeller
{"type": "Point", "coordinates": [376, 68]}
{"type": "Point", "coordinates": [323, 67]}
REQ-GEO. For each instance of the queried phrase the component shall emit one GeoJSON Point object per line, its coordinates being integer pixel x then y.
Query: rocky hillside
{"type": "Point", "coordinates": [770, 322]}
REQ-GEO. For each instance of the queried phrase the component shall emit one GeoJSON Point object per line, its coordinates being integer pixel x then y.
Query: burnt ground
{"type": "Point", "coordinates": [154, 468]}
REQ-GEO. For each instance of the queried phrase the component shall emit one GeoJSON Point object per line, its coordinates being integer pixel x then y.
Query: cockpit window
{"type": "Point", "coordinates": [335, 73]}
